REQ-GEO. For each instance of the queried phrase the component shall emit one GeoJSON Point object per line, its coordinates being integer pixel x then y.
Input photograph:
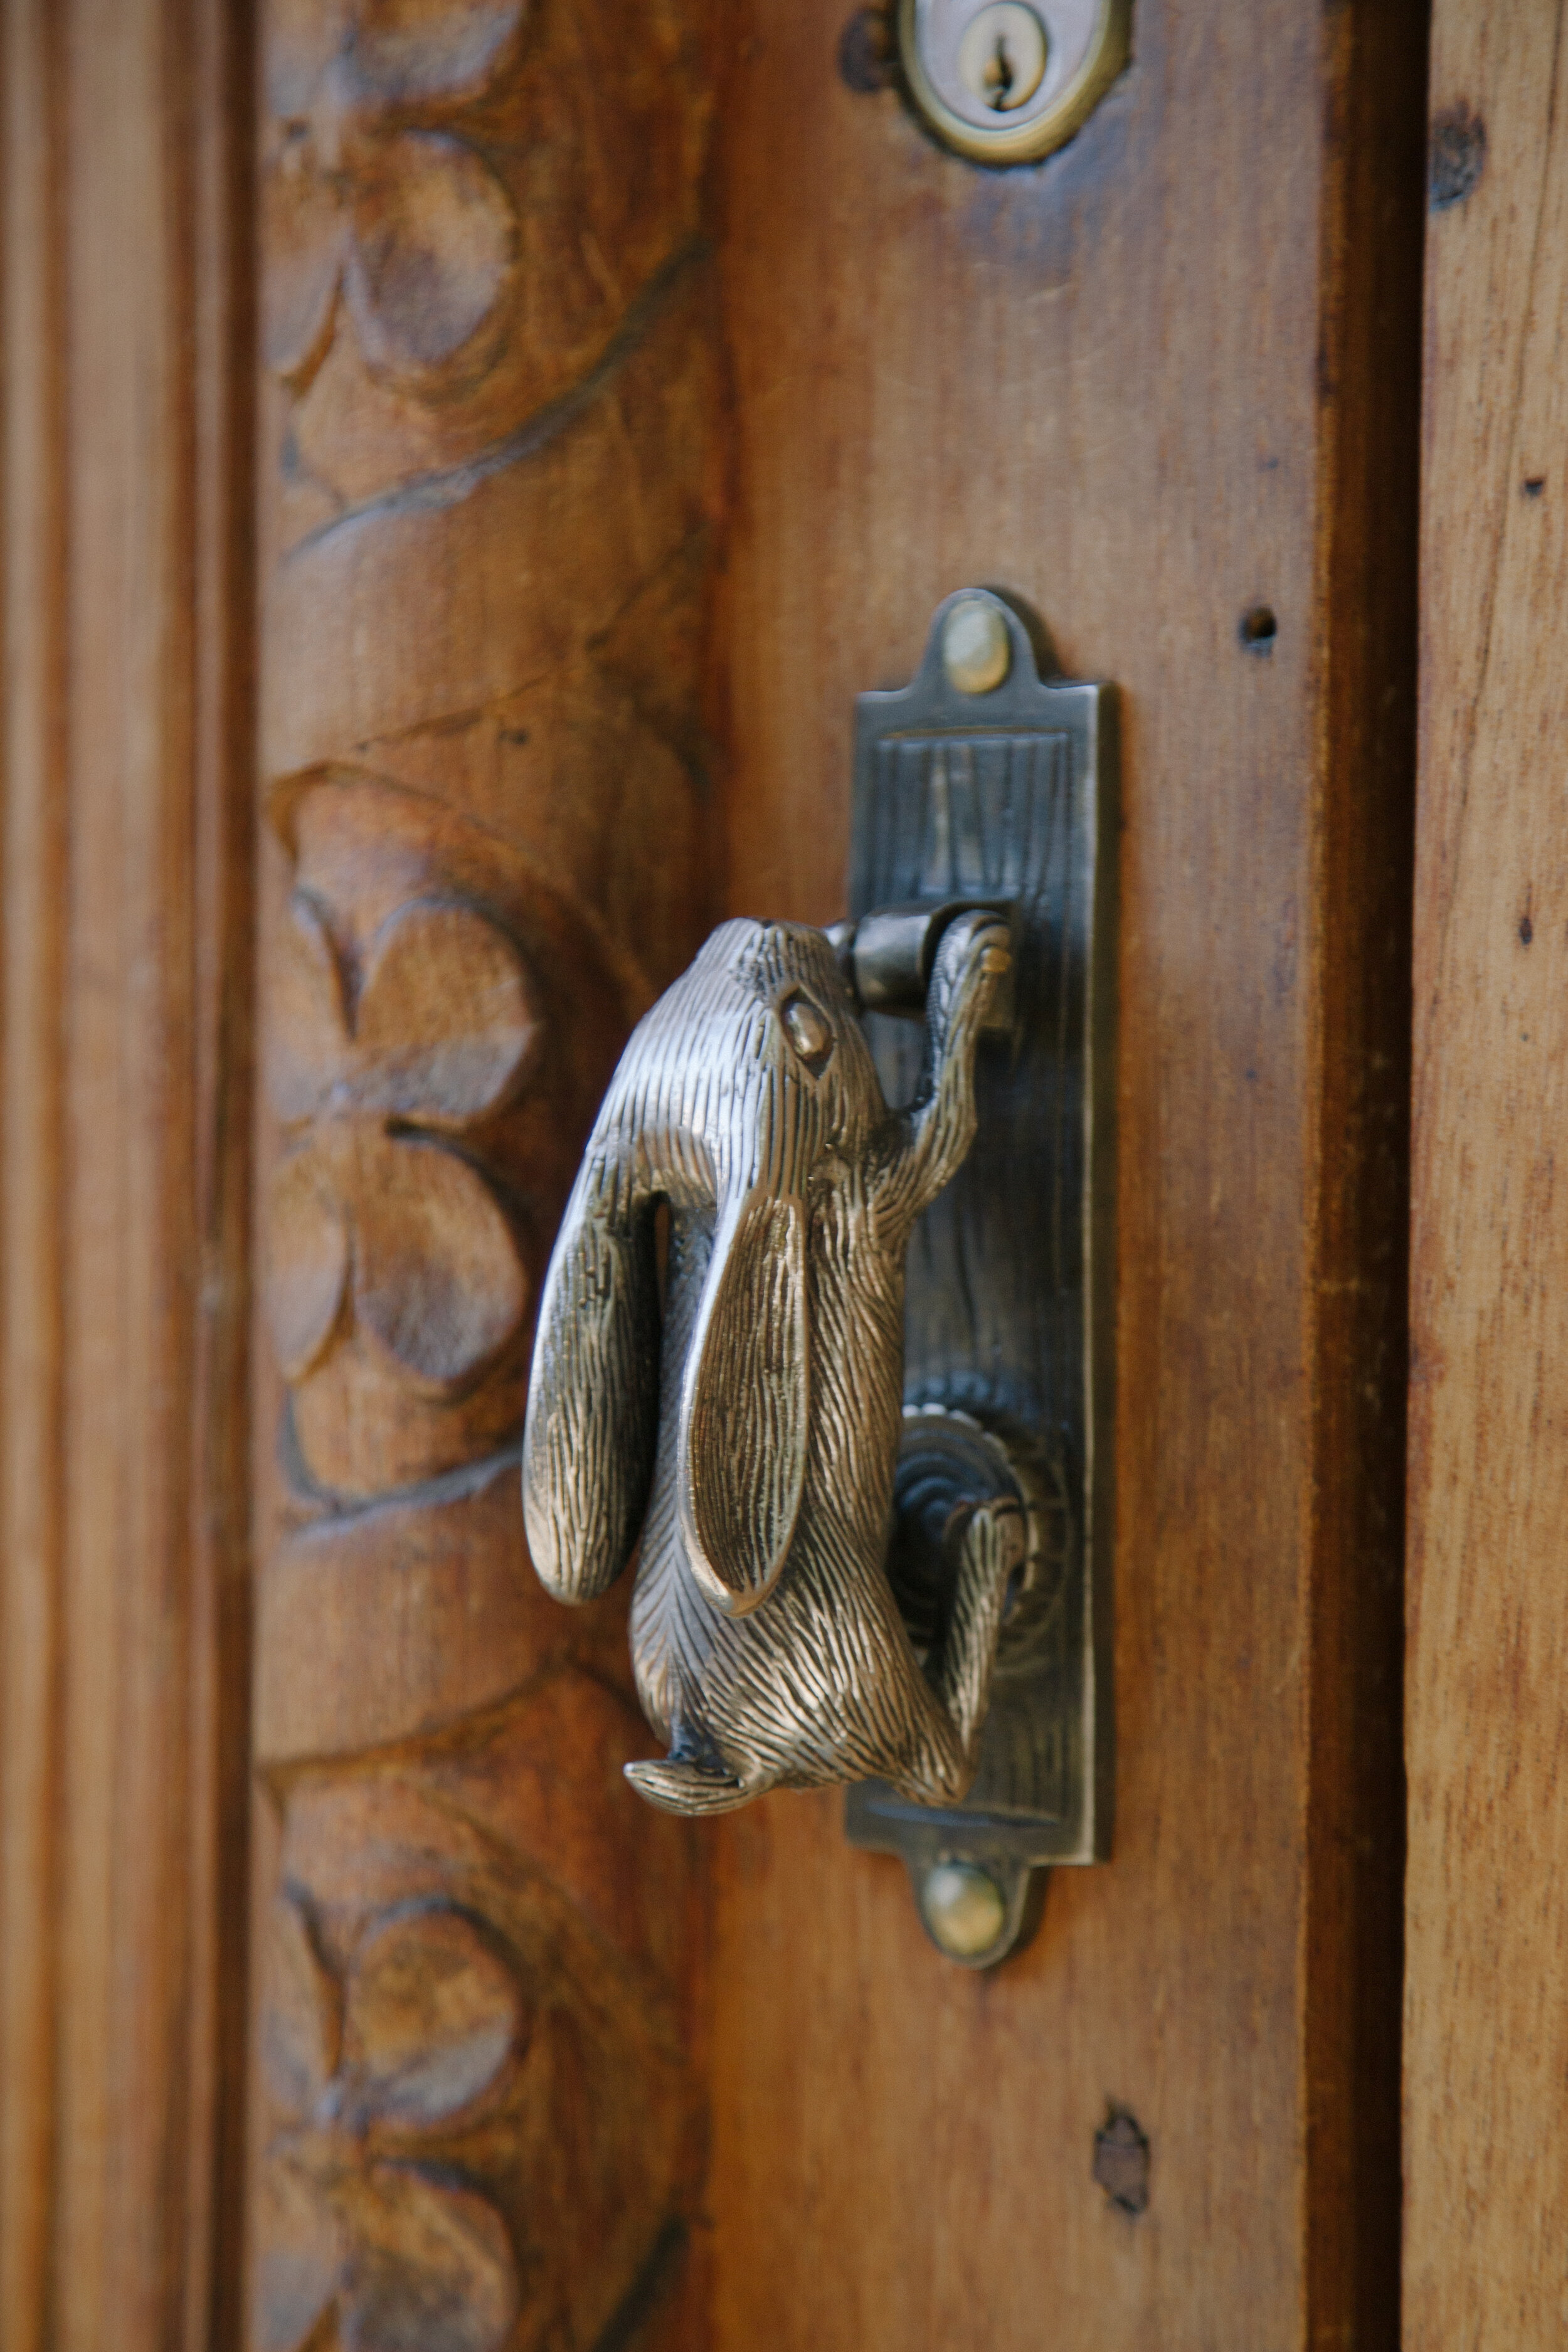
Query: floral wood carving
{"type": "Point", "coordinates": [378, 200]}
{"type": "Point", "coordinates": [382, 1204]}
{"type": "Point", "coordinates": [452, 182]}
{"type": "Point", "coordinates": [476, 2122]}
{"type": "Point", "coordinates": [493, 401]}
{"type": "Point", "coordinates": [389, 2066]}
{"type": "Point", "coordinates": [425, 1076]}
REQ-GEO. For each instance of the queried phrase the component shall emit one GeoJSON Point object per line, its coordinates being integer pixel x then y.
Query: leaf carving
{"type": "Point", "coordinates": [447, 1024]}
{"type": "Point", "coordinates": [429, 2266]}
{"type": "Point", "coordinates": [433, 244]}
{"type": "Point", "coordinates": [310, 1262]}
{"type": "Point", "coordinates": [443, 1031]}
{"type": "Point", "coordinates": [405, 220]}
{"type": "Point", "coordinates": [438, 1282]}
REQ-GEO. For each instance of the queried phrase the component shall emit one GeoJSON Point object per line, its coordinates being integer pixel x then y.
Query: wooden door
{"type": "Point", "coordinates": [462, 458]}
{"type": "Point", "coordinates": [1486, 2026]}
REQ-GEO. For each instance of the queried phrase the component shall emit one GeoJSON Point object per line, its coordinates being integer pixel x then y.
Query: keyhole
{"type": "Point", "coordinates": [1002, 56]}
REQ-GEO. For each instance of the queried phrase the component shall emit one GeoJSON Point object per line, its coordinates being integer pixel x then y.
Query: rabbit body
{"type": "Point", "coordinates": [755, 1438]}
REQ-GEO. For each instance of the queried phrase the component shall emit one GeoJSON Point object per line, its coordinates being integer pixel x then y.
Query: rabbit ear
{"type": "Point", "coordinates": [593, 1402]}
{"type": "Point", "coordinates": [744, 1403]}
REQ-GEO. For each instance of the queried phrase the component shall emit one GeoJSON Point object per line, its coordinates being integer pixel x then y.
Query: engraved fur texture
{"type": "Point", "coordinates": [754, 1439]}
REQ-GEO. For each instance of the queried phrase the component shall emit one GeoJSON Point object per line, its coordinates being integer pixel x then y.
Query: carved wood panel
{"type": "Point", "coordinates": [489, 500]}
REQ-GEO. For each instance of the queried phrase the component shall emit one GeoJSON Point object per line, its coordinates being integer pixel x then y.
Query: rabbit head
{"type": "Point", "coordinates": [745, 1077]}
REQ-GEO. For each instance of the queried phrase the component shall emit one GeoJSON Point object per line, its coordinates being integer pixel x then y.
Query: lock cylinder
{"type": "Point", "coordinates": [1005, 81]}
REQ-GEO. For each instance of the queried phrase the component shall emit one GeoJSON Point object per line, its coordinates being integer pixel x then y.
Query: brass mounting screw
{"type": "Point", "coordinates": [964, 1909]}
{"type": "Point", "coordinates": [976, 651]}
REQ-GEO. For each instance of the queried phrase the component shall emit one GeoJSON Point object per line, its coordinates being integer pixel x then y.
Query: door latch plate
{"type": "Point", "coordinates": [981, 781]}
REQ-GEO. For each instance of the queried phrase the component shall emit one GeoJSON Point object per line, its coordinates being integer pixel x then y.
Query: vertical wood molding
{"type": "Point", "coordinates": [1487, 1995]}
{"type": "Point", "coordinates": [1370, 363]}
{"type": "Point", "coordinates": [121, 1573]}
{"type": "Point", "coordinates": [224, 583]}
{"type": "Point", "coordinates": [487, 503]}
{"type": "Point", "coordinates": [34, 297]}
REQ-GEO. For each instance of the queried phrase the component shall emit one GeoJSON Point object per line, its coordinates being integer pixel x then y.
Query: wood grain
{"type": "Point", "coordinates": [1153, 386]}
{"type": "Point", "coordinates": [1487, 2004]}
{"type": "Point", "coordinates": [123, 1220]}
{"type": "Point", "coordinates": [491, 487]}
{"type": "Point", "coordinates": [594, 460]}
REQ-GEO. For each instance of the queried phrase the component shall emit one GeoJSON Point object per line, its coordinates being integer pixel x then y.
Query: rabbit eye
{"type": "Point", "coordinates": [807, 1030]}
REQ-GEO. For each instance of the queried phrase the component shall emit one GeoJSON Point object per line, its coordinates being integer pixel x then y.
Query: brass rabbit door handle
{"type": "Point", "coordinates": [844, 1544]}
{"type": "Point", "coordinates": [754, 1444]}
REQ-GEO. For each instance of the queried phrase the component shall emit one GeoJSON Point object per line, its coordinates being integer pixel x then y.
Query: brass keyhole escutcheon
{"type": "Point", "coordinates": [1005, 81]}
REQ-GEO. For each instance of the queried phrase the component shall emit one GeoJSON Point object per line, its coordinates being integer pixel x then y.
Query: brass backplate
{"type": "Point", "coordinates": [1007, 793]}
